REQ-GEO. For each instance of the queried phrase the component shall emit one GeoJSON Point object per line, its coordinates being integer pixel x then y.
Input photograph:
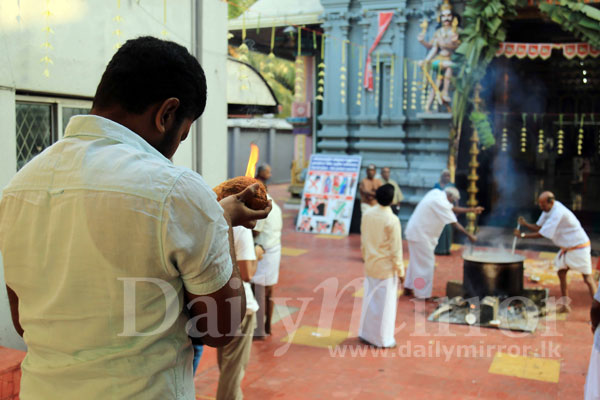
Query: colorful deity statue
{"type": "Point", "coordinates": [438, 61]}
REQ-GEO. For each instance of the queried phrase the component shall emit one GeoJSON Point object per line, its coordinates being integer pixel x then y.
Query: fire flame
{"type": "Point", "coordinates": [251, 168]}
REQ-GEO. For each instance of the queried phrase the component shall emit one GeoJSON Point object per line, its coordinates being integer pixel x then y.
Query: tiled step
{"type": "Point", "coordinates": [10, 373]}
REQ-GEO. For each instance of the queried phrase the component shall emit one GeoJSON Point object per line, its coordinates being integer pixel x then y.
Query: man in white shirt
{"type": "Point", "coordinates": [233, 357]}
{"type": "Point", "coordinates": [103, 238]}
{"type": "Point", "coordinates": [560, 225]}
{"type": "Point", "coordinates": [268, 237]}
{"type": "Point", "coordinates": [381, 247]}
{"type": "Point", "coordinates": [424, 227]}
{"type": "Point", "coordinates": [592, 381]}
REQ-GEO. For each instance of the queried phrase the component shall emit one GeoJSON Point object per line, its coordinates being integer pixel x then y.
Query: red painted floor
{"type": "Point", "coordinates": [305, 372]}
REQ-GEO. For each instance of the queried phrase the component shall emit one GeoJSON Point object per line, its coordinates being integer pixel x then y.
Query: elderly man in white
{"type": "Point", "coordinates": [560, 225]}
{"type": "Point", "coordinates": [424, 227]}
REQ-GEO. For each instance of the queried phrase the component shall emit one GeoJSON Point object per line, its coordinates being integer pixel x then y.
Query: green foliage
{"type": "Point", "coordinates": [482, 125]}
{"type": "Point", "coordinates": [235, 8]}
{"type": "Point", "coordinates": [480, 39]}
{"type": "Point", "coordinates": [280, 74]}
{"type": "Point", "coordinates": [578, 18]}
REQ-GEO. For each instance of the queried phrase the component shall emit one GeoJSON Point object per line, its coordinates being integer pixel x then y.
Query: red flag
{"type": "Point", "coordinates": [384, 21]}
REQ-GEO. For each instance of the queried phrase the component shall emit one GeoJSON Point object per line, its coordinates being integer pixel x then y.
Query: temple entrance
{"type": "Point", "coordinates": [545, 114]}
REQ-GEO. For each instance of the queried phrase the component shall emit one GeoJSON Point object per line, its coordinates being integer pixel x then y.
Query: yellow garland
{"type": "Point", "coordinates": [392, 73]}
{"type": "Point", "coordinates": [377, 72]}
{"type": "Point", "coordinates": [165, 32]}
{"type": "Point", "coordinates": [118, 32]}
{"type": "Point", "coordinates": [46, 60]}
{"type": "Point", "coordinates": [413, 88]}
{"type": "Point", "coordinates": [321, 74]}
{"type": "Point", "coordinates": [343, 74]}
{"type": "Point", "coordinates": [405, 85]}
{"type": "Point", "coordinates": [580, 136]}
{"type": "Point", "coordinates": [359, 88]}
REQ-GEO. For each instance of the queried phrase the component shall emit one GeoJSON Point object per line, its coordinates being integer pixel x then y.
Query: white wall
{"type": "Point", "coordinates": [82, 44]}
{"type": "Point", "coordinates": [212, 128]}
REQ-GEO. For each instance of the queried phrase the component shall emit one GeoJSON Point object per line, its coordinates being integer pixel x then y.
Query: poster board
{"type": "Point", "coordinates": [329, 193]}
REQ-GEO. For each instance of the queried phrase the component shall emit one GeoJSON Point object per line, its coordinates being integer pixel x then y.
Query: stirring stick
{"type": "Point", "coordinates": [515, 239]}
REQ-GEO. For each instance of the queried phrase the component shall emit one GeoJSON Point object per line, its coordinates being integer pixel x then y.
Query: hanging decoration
{"type": "Point", "coordinates": [524, 134]}
{"type": "Point", "coordinates": [544, 50]}
{"type": "Point", "coordinates": [47, 60]}
{"type": "Point", "coordinates": [580, 136]}
{"type": "Point", "coordinates": [271, 54]}
{"type": "Point", "coordinates": [360, 76]}
{"type": "Point", "coordinates": [243, 48]}
{"type": "Point", "coordinates": [541, 139]}
{"type": "Point", "coordinates": [392, 73]}
{"type": "Point", "coordinates": [164, 32]}
{"type": "Point", "coordinates": [413, 88]}
{"type": "Point", "coordinates": [118, 32]}
{"type": "Point", "coordinates": [504, 139]}
{"type": "Point", "coordinates": [377, 86]}
{"type": "Point", "coordinates": [384, 20]}
{"type": "Point", "coordinates": [298, 88]}
{"type": "Point", "coordinates": [343, 74]}
{"type": "Point", "coordinates": [405, 85]}
{"type": "Point", "coordinates": [560, 137]}
{"type": "Point", "coordinates": [321, 74]}
{"type": "Point", "coordinates": [424, 89]}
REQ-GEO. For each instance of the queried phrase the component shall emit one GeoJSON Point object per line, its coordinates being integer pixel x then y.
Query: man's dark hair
{"type": "Point", "coordinates": [260, 169]}
{"type": "Point", "coordinates": [385, 194]}
{"type": "Point", "coordinates": [146, 71]}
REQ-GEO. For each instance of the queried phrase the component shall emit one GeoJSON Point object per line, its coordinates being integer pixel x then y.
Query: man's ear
{"type": "Point", "coordinates": [165, 115]}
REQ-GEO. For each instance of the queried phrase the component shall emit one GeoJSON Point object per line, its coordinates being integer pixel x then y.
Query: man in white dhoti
{"type": "Point", "coordinates": [560, 225]}
{"type": "Point", "coordinates": [424, 227]}
{"type": "Point", "coordinates": [592, 381]}
{"type": "Point", "coordinates": [267, 274]}
{"type": "Point", "coordinates": [381, 246]}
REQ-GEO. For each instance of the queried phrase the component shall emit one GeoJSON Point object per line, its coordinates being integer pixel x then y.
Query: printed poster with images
{"type": "Point", "coordinates": [329, 192]}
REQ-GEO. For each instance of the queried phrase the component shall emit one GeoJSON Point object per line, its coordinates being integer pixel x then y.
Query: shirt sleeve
{"type": "Point", "coordinates": [244, 244]}
{"type": "Point", "coordinates": [443, 209]}
{"type": "Point", "coordinates": [549, 225]}
{"type": "Point", "coordinates": [195, 236]}
{"type": "Point", "coordinates": [396, 246]}
{"type": "Point", "coordinates": [543, 217]}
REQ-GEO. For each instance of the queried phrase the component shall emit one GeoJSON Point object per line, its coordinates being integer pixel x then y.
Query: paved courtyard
{"type": "Point", "coordinates": [317, 322]}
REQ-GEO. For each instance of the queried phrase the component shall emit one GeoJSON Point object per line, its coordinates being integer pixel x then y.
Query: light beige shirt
{"type": "Point", "coordinates": [381, 243]}
{"type": "Point", "coordinates": [78, 224]}
{"type": "Point", "coordinates": [398, 196]}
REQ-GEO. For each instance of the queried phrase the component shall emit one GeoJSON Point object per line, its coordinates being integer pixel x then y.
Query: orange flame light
{"type": "Point", "coordinates": [251, 168]}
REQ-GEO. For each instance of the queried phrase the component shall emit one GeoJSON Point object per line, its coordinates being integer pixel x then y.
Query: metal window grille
{"type": "Point", "coordinates": [35, 130]}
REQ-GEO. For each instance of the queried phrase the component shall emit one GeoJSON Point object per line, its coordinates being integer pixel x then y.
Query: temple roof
{"type": "Point", "coordinates": [268, 13]}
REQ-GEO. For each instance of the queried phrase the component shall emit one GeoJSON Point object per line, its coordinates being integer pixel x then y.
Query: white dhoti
{"type": "Point", "coordinates": [378, 316]}
{"type": "Point", "coordinates": [592, 381]}
{"type": "Point", "coordinates": [267, 270]}
{"type": "Point", "coordinates": [579, 260]}
{"type": "Point", "coordinates": [419, 275]}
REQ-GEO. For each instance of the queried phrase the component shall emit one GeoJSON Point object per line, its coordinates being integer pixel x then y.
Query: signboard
{"type": "Point", "coordinates": [328, 196]}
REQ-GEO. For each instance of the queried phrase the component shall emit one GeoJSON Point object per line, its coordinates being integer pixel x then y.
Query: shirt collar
{"type": "Point", "coordinates": [96, 126]}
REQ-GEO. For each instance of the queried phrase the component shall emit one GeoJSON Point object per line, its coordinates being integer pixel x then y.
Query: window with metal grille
{"type": "Point", "coordinates": [35, 130]}
{"type": "Point", "coordinates": [41, 121]}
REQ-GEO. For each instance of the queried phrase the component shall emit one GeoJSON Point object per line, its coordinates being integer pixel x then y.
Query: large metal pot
{"type": "Point", "coordinates": [492, 274]}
